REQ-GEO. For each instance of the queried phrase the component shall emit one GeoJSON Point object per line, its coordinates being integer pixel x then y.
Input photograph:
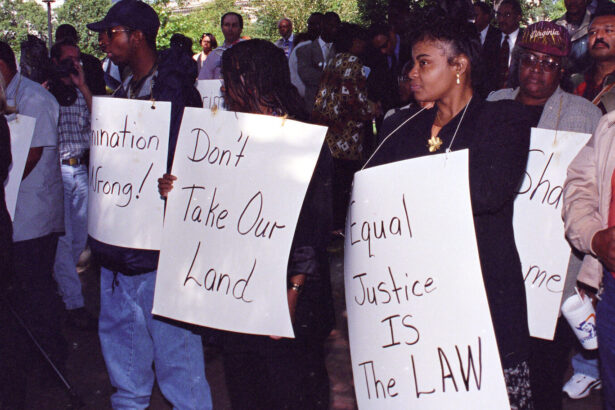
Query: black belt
{"type": "Point", "coordinates": [74, 161]}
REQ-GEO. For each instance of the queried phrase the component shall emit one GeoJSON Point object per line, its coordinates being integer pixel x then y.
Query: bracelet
{"type": "Point", "coordinates": [297, 287]}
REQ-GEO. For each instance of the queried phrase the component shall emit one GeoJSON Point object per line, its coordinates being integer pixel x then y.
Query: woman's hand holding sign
{"type": "Point", "coordinates": [165, 184]}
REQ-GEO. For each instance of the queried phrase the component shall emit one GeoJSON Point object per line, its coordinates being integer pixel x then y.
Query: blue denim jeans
{"type": "Point", "coordinates": [605, 324]}
{"type": "Point", "coordinates": [132, 339]}
{"type": "Point", "coordinates": [72, 243]}
{"type": "Point", "coordinates": [586, 366]}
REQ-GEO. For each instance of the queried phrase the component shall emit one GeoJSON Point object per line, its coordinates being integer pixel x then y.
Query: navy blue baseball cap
{"type": "Point", "coordinates": [133, 14]}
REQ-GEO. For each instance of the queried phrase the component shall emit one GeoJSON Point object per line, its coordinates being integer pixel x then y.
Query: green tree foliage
{"type": "Point", "coordinates": [203, 20]}
{"type": "Point", "coordinates": [79, 13]}
{"type": "Point", "coordinates": [546, 10]}
{"type": "Point", "coordinates": [269, 12]}
{"type": "Point", "coordinates": [373, 10]}
{"type": "Point", "coordinates": [19, 18]}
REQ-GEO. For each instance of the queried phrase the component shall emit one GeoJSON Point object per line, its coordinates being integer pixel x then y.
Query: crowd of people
{"type": "Point", "coordinates": [468, 78]}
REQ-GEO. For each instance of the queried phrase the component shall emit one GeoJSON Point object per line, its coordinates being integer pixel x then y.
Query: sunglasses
{"type": "Point", "coordinates": [111, 31]}
{"type": "Point", "coordinates": [547, 65]}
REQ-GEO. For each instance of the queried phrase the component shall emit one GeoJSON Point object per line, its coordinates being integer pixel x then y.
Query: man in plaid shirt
{"type": "Point", "coordinates": [69, 87]}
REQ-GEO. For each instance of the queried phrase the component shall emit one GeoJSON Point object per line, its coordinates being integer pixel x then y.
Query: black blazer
{"type": "Point", "coordinates": [490, 63]}
{"type": "Point", "coordinates": [382, 84]}
{"type": "Point", "coordinates": [498, 155]}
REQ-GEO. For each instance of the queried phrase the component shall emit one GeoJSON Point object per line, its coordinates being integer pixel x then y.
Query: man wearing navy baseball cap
{"type": "Point", "coordinates": [130, 336]}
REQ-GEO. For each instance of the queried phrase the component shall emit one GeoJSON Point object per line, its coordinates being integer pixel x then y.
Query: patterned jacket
{"type": "Point", "coordinates": [342, 105]}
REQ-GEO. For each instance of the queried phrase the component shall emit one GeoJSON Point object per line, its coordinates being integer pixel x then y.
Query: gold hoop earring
{"type": "Point", "coordinates": [458, 81]}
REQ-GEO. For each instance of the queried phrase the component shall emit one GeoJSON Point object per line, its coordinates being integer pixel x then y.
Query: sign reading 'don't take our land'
{"type": "Point", "coordinates": [211, 94]}
{"type": "Point", "coordinates": [420, 330]}
{"type": "Point", "coordinates": [231, 217]}
{"type": "Point", "coordinates": [21, 128]}
{"type": "Point", "coordinates": [128, 153]}
{"type": "Point", "coordinates": [539, 229]}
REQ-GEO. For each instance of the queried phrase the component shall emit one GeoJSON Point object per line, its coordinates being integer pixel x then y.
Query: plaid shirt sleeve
{"type": "Point", "coordinates": [74, 129]}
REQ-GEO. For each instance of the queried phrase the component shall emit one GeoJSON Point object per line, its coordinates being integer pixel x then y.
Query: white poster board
{"type": "Point", "coordinates": [211, 94]}
{"type": "Point", "coordinates": [230, 220]}
{"type": "Point", "coordinates": [128, 153]}
{"type": "Point", "coordinates": [421, 335]}
{"type": "Point", "coordinates": [21, 128]}
{"type": "Point", "coordinates": [539, 229]}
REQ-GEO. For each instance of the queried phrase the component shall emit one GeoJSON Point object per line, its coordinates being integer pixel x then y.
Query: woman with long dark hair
{"type": "Point", "coordinates": [264, 372]}
{"type": "Point", "coordinates": [445, 56]}
{"type": "Point", "coordinates": [208, 42]}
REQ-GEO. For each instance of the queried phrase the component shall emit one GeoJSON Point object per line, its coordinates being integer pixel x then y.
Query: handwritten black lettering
{"type": "Point", "coordinates": [552, 195]}
{"type": "Point", "coordinates": [418, 391]}
{"type": "Point", "coordinates": [414, 334]}
{"type": "Point", "coordinates": [395, 289]}
{"type": "Point", "coordinates": [221, 283]}
{"type": "Point", "coordinates": [449, 374]}
{"type": "Point", "coordinates": [196, 211]}
{"type": "Point", "coordinates": [100, 185]}
{"type": "Point", "coordinates": [123, 138]}
{"type": "Point", "coordinates": [214, 155]}
{"type": "Point", "coordinates": [213, 100]}
{"type": "Point", "coordinates": [537, 277]}
{"type": "Point", "coordinates": [470, 370]}
{"type": "Point", "coordinates": [382, 229]}
{"type": "Point", "coordinates": [252, 214]}
{"type": "Point", "coordinates": [214, 219]}
{"type": "Point", "coordinates": [372, 380]}
{"type": "Point", "coordinates": [465, 374]}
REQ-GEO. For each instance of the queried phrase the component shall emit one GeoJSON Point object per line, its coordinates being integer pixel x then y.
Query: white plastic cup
{"type": "Point", "coordinates": [581, 316]}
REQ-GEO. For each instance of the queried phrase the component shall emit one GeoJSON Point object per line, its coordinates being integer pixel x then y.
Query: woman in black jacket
{"type": "Point", "coordinates": [264, 372]}
{"type": "Point", "coordinates": [445, 57]}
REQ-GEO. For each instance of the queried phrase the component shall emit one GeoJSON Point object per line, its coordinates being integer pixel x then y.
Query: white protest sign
{"type": "Point", "coordinates": [539, 229]}
{"type": "Point", "coordinates": [211, 93]}
{"type": "Point", "coordinates": [230, 220]}
{"type": "Point", "coordinates": [128, 153]}
{"type": "Point", "coordinates": [420, 330]}
{"type": "Point", "coordinates": [21, 128]}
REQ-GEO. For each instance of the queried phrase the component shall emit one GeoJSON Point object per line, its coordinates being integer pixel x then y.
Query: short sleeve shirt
{"type": "Point", "coordinates": [40, 202]}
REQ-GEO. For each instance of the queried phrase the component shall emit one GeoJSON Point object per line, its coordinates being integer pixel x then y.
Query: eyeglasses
{"type": "Point", "coordinates": [547, 65]}
{"type": "Point", "coordinates": [402, 79]}
{"type": "Point", "coordinates": [111, 31]}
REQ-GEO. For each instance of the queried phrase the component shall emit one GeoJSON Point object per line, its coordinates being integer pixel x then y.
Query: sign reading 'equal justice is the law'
{"type": "Point", "coordinates": [420, 331]}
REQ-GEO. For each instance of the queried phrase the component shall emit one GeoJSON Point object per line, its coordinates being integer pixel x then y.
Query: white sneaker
{"type": "Point", "coordinates": [581, 385]}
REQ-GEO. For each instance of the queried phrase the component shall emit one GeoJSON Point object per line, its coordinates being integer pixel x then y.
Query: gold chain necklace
{"type": "Point", "coordinates": [434, 142]}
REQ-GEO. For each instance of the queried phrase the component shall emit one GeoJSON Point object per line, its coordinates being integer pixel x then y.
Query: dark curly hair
{"type": "Point", "coordinates": [257, 80]}
{"type": "Point", "coordinates": [460, 35]}
{"type": "Point", "coordinates": [212, 39]}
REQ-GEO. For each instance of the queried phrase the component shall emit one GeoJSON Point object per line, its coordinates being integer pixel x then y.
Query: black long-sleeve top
{"type": "Point", "coordinates": [497, 135]}
{"type": "Point", "coordinates": [6, 226]}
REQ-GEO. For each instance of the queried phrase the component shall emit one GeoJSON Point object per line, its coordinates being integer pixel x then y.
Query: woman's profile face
{"type": "Point", "coordinates": [431, 77]}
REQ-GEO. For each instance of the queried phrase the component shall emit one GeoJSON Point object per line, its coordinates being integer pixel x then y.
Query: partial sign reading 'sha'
{"type": "Point", "coordinates": [539, 229]}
